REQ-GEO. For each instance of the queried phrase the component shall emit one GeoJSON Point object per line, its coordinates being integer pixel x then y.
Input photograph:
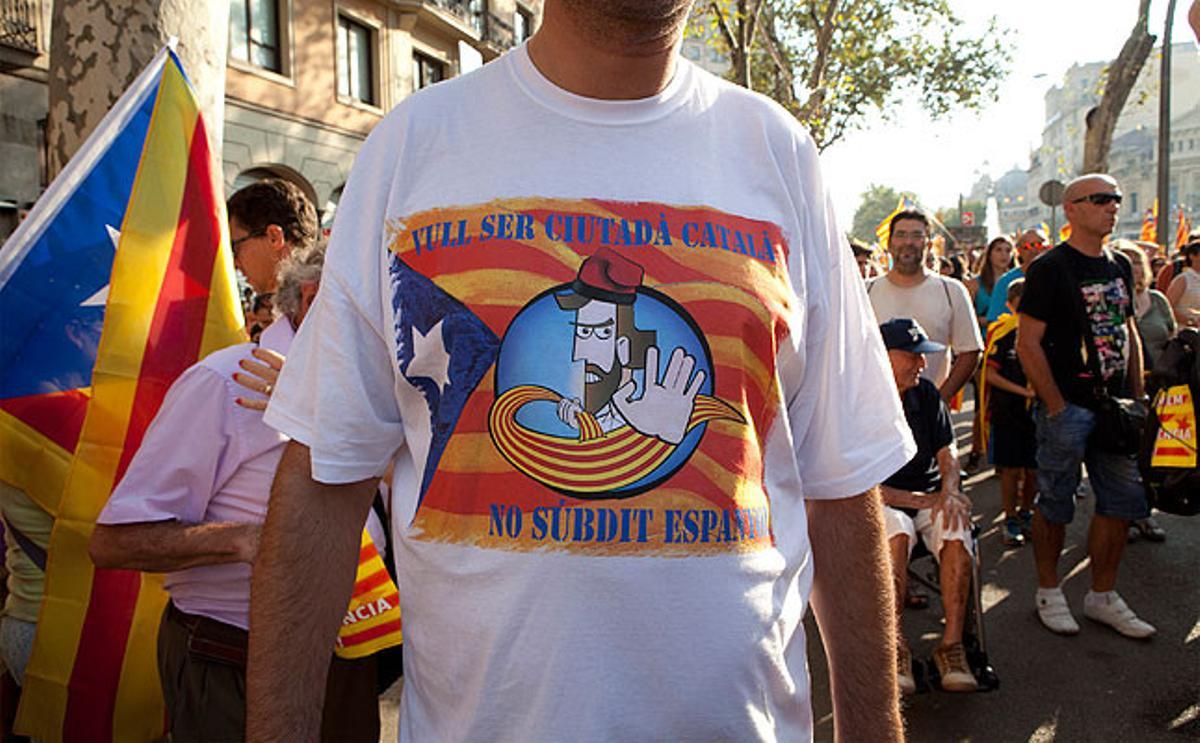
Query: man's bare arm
{"type": "Point", "coordinates": [1037, 367]}
{"type": "Point", "coordinates": [961, 370]}
{"type": "Point", "coordinates": [164, 546]}
{"type": "Point", "coordinates": [301, 586]}
{"type": "Point", "coordinates": [853, 602]}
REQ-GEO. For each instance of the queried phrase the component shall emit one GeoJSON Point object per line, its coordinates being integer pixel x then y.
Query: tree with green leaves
{"type": "Point", "coordinates": [877, 202]}
{"type": "Point", "coordinates": [836, 64]}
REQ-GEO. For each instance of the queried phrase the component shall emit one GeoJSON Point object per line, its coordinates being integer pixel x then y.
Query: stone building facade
{"type": "Point", "coordinates": [306, 81]}
{"type": "Point", "coordinates": [1133, 159]}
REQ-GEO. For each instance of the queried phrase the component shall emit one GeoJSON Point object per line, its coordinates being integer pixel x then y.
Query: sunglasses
{"type": "Point", "coordinates": [235, 244]}
{"type": "Point", "coordinates": [1100, 199]}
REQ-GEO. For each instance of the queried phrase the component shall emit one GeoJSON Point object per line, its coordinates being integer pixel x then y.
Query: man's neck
{"type": "Point", "coordinates": [598, 59]}
{"type": "Point", "coordinates": [1088, 244]}
{"type": "Point", "coordinates": [906, 279]}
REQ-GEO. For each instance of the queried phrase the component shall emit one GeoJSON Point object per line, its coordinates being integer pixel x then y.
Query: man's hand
{"type": "Point", "coordinates": [246, 542]}
{"type": "Point", "coordinates": [955, 510]}
{"type": "Point", "coordinates": [663, 409]}
{"type": "Point", "coordinates": [261, 378]}
{"type": "Point", "coordinates": [299, 591]}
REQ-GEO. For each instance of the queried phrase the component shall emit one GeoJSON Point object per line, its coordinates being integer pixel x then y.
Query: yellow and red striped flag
{"type": "Point", "coordinates": [1182, 229]}
{"type": "Point", "coordinates": [881, 231]}
{"type": "Point", "coordinates": [170, 301]}
{"type": "Point", "coordinates": [1150, 224]}
{"type": "Point", "coordinates": [372, 622]}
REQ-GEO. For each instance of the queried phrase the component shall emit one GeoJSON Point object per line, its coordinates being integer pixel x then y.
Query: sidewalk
{"type": "Point", "coordinates": [1095, 686]}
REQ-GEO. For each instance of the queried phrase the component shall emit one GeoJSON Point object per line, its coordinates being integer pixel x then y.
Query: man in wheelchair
{"type": "Point", "coordinates": [924, 498]}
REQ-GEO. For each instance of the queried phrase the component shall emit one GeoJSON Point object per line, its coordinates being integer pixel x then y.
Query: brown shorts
{"type": "Point", "coordinates": [202, 667]}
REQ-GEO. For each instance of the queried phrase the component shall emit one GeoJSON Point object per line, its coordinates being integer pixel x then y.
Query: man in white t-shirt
{"type": "Point", "coordinates": [939, 303]}
{"type": "Point", "coordinates": [599, 565]}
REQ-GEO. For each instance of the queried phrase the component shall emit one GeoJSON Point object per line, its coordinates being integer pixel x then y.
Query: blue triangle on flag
{"type": "Point", "coordinates": [52, 300]}
{"type": "Point", "coordinates": [443, 349]}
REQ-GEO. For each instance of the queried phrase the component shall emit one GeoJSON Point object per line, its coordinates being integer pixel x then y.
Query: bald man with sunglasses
{"type": "Point", "coordinates": [1077, 280]}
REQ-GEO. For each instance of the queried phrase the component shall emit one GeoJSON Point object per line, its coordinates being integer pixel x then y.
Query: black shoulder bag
{"type": "Point", "coordinates": [1120, 421]}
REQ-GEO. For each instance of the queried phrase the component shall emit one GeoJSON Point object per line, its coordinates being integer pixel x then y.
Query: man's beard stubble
{"type": "Point", "coordinates": [906, 266]}
{"type": "Point", "coordinates": [598, 394]}
{"type": "Point", "coordinates": [629, 21]}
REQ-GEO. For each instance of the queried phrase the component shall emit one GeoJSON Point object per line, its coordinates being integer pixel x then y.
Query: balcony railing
{"type": "Point", "coordinates": [498, 33]}
{"type": "Point", "coordinates": [472, 12]}
{"type": "Point", "coordinates": [18, 24]}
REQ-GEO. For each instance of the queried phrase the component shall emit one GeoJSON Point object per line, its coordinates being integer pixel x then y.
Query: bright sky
{"type": "Point", "coordinates": [939, 161]}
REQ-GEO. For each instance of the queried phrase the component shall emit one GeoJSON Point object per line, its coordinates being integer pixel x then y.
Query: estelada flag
{"type": "Point", "coordinates": [372, 621]}
{"type": "Point", "coordinates": [119, 280]}
{"type": "Point", "coordinates": [1175, 445]}
{"type": "Point", "coordinates": [1182, 229]}
{"type": "Point", "coordinates": [1150, 224]}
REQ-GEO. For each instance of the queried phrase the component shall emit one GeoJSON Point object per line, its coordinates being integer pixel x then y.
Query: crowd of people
{"type": "Point", "coordinates": [1065, 328]}
{"type": "Point", "coordinates": [538, 604]}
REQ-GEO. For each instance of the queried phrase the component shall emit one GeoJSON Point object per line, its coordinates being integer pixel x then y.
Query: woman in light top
{"type": "Point", "coordinates": [1184, 291]}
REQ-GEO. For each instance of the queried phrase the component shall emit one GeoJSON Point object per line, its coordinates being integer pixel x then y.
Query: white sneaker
{"type": "Point", "coordinates": [1112, 610]}
{"type": "Point", "coordinates": [1052, 609]}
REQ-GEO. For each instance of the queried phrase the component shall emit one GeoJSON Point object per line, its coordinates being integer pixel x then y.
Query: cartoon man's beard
{"type": "Point", "coordinates": [597, 394]}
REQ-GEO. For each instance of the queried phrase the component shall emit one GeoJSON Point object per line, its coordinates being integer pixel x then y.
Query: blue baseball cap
{"type": "Point", "coordinates": [906, 334]}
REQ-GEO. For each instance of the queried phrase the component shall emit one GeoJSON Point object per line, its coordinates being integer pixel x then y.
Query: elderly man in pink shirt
{"type": "Point", "coordinates": [191, 505]}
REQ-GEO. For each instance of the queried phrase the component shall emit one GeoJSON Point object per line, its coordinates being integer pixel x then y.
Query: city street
{"type": "Point", "coordinates": [1096, 686]}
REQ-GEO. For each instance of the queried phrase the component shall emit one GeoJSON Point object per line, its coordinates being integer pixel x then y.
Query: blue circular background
{"type": "Point", "coordinates": [537, 350]}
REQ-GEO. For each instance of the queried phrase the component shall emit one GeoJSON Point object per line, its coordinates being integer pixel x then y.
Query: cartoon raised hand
{"type": "Point", "coordinates": [665, 408]}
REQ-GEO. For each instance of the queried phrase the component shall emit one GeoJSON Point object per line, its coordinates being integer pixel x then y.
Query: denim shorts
{"type": "Point", "coordinates": [1062, 446]}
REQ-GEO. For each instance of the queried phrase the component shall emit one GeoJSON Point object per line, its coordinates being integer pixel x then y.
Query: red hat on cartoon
{"type": "Point", "coordinates": [609, 276]}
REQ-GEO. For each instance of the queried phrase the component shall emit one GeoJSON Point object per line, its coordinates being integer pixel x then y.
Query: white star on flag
{"type": "Point", "coordinates": [100, 298]}
{"type": "Point", "coordinates": [430, 359]}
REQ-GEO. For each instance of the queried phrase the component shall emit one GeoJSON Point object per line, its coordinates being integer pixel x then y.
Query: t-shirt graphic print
{"type": "Point", "coordinates": [1107, 305]}
{"type": "Point", "coordinates": [599, 376]}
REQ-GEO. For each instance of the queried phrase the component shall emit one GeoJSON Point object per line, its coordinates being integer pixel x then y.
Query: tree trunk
{"type": "Point", "coordinates": [98, 47]}
{"type": "Point", "coordinates": [1122, 75]}
{"type": "Point", "coordinates": [739, 35]}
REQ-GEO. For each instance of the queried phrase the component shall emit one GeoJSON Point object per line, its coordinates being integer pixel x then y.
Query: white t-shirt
{"type": "Point", "coordinates": [581, 558]}
{"type": "Point", "coordinates": [942, 306]}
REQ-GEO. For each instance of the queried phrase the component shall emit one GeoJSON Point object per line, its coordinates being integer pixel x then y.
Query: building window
{"type": "Point", "coordinates": [522, 25]}
{"type": "Point", "coordinates": [254, 33]}
{"type": "Point", "coordinates": [477, 12]}
{"type": "Point", "coordinates": [355, 60]}
{"type": "Point", "coordinates": [427, 71]}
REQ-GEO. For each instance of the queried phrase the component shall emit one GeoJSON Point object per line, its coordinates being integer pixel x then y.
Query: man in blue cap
{"type": "Point", "coordinates": [924, 498]}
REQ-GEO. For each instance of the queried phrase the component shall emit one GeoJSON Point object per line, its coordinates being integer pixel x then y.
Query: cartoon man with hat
{"type": "Point", "coordinates": [611, 348]}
